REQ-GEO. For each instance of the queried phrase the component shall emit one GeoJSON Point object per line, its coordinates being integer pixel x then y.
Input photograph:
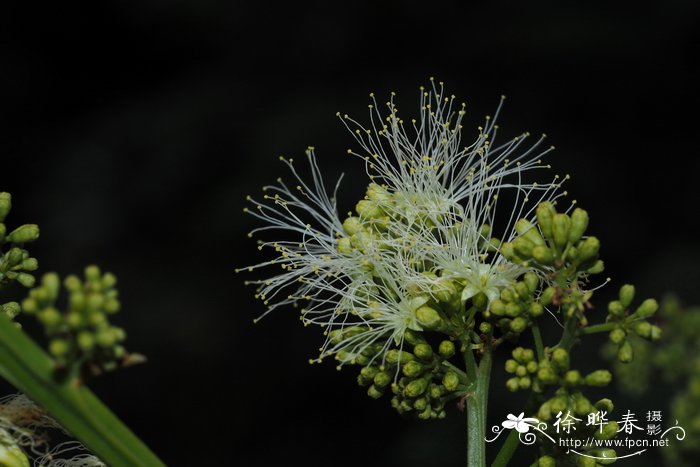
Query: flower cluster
{"type": "Point", "coordinates": [426, 251]}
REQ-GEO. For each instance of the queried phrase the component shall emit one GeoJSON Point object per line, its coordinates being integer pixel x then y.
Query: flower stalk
{"type": "Point", "coordinates": [477, 403]}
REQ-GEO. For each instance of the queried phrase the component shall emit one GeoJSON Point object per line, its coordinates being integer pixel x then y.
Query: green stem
{"type": "Point", "coordinates": [477, 403]}
{"type": "Point", "coordinates": [509, 446]}
{"type": "Point", "coordinates": [27, 367]}
{"type": "Point", "coordinates": [570, 333]}
{"type": "Point", "coordinates": [605, 327]}
{"type": "Point", "coordinates": [539, 346]}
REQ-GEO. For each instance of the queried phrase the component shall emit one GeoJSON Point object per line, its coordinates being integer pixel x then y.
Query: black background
{"type": "Point", "coordinates": [132, 131]}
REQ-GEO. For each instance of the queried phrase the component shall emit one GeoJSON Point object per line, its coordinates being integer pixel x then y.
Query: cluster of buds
{"type": "Point", "coordinates": [15, 262]}
{"type": "Point", "coordinates": [517, 306]}
{"type": "Point", "coordinates": [627, 322]}
{"type": "Point", "coordinates": [557, 242]}
{"type": "Point", "coordinates": [421, 381]}
{"type": "Point", "coordinates": [81, 340]}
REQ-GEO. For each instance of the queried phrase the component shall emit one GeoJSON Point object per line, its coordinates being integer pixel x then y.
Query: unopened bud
{"type": "Point", "coordinates": [446, 349]}
{"type": "Point", "coordinates": [626, 295]}
{"type": "Point", "coordinates": [450, 381]}
{"type": "Point", "coordinates": [24, 234]}
{"type": "Point", "coordinates": [579, 223]}
{"type": "Point", "coordinates": [598, 378]}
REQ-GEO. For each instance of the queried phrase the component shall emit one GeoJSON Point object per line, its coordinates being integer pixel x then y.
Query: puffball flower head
{"type": "Point", "coordinates": [420, 252]}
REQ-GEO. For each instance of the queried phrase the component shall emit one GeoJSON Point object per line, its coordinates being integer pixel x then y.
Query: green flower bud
{"type": "Point", "coordinates": [394, 356]}
{"type": "Point", "coordinates": [547, 296]}
{"type": "Point", "coordinates": [344, 245]}
{"type": "Point", "coordinates": [423, 351]}
{"type": "Point", "coordinates": [598, 378]}
{"type": "Point", "coordinates": [437, 391]}
{"type": "Point", "coordinates": [12, 258]}
{"type": "Point", "coordinates": [655, 333]}
{"type": "Point", "coordinates": [24, 234]}
{"type": "Point", "coordinates": [647, 308]}
{"type": "Point", "coordinates": [485, 327]}
{"type": "Point", "coordinates": [378, 193]}
{"type": "Point", "coordinates": [522, 289]}
{"type": "Point", "coordinates": [579, 223]}
{"type": "Point", "coordinates": [572, 253]}
{"type": "Point", "coordinates": [625, 353]}
{"type": "Point", "coordinates": [58, 347]}
{"type": "Point", "coordinates": [26, 280]}
{"type": "Point", "coordinates": [520, 371]}
{"type": "Point", "coordinates": [30, 264]}
{"type": "Point", "coordinates": [626, 295]}
{"type": "Point", "coordinates": [382, 379]}
{"type": "Point", "coordinates": [416, 387]}
{"type": "Point", "coordinates": [352, 225]}
{"type": "Point", "coordinates": [527, 355]}
{"type": "Point", "coordinates": [547, 375]}
{"type": "Point", "coordinates": [450, 381]}
{"type": "Point", "coordinates": [374, 392]}
{"type": "Point", "coordinates": [480, 301]}
{"type": "Point", "coordinates": [497, 307]}
{"type": "Point", "coordinates": [597, 268]}
{"type": "Point", "coordinates": [524, 382]}
{"type": "Point", "coordinates": [513, 309]}
{"type": "Point", "coordinates": [50, 317]}
{"type": "Point", "coordinates": [5, 205]}
{"type": "Point", "coordinates": [413, 337]}
{"type": "Point", "coordinates": [581, 461]}
{"type": "Point", "coordinates": [605, 404]}
{"type": "Point", "coordinates": [411, 369]}
{"type": "Point", "coordinates": [535, 309]}
{"type": "Point", "coordinates": [86, 341]}
{"type": "Point", "coordinates": [558, 404]}
{"type": "Point", "coordinates": [561, 225]}
{"type": "Point", "coordinates": [546, 461]}
{"type": "Point", "coordinates": [367, 209]}
{"type": "Point", "coordinates": [616, 309]}
{"type": "Point", "coordinates": [444, 290]}
{"type": "Point", "coordinates": [446, 349]}
{"type": "Point", "coordinates": [523, 247]}
{"type": "Point", "coordinates": [369, 372]}
{"type": "Point", "coordinates": [511, 366]}
{"type": "Point", "coordinates": [532, 281]}
{"type": "Point", "coordinates": [30, 305]}
{"type": "Point", "coordinates": [513, 384]}
{"type": "Point", "coordinates": [545, 215]}
{"type": "Point", "coordinates": [429, 318]}
{"type": "Point", "coordinates": [11, 309]}
{"type": "Point", "coordinates": [518, 325]}
{"type": "Point", "coordinates": [518, 353]}
{"type": "Point", "coordinates": [572, 378]}
{"type": "Point", "coordinates": [545, 411]}
{"type": "Point", "coordinates": [105, 338]}
{"type": "Point", "coordinates": [420, 404]}
{"type": "Point", "coordinates": [643, 329]}
{"type": "Point", "coordinates": [588, 249]}
{"type": "Point", "coordinates": [543, 255]}
{"type": "Point", "coordinates": [617, 335]}
{"type": "Point", "coordinates": [560, 359]}
{"type": "Point", "coordinates": [405, 406]}
{"type": "Point", "coordinates": [74, 320]}
{"type": "Point", "coordinates": [531, 367]}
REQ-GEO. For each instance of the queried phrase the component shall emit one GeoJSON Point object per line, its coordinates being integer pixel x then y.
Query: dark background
{"type": "Point", "coordinates": [131, 132]}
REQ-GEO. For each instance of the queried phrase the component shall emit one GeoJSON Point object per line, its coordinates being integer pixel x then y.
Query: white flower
{"type": "Point", "coordinates": [521, 424]}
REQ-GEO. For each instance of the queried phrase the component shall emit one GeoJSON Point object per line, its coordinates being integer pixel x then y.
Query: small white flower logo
{"type": "Point", "coordinates": [521, 424]}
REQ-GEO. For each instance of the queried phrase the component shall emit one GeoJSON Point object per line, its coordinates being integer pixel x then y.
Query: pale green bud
{"type": "Point", "coordinates": [643, 329]}
{"type": "Point", "coordinates": [86, 341]}
{"type": "Point", "coordinates": [367, 209]}
{"type": "Point", "coordinates": [416, 387]}
{"type": "Point", "coordinates": [344, 245]}
{"type": "Point", "coordinates": [446, 349]}
{"type": "Point", "coordinates": [369, 372]}
{"type": "Point", "coordinates": [647, 308]}
{"type": "Point", "coordinates": [513, 384]}
{"type": "Point", "coordinates": [545, 215]}
{"type": "Point", "coordinates": [511, 366]}
{"type": "Point", "coordinates": [444, 290]}
{"type": "Point", "coordinates": [626, 295]}
{"type": "Point", "coordinates": [513, 309]}
{"type": "Point", "coordinates": [5, 205]}
{"type": "Point", "coordinates": [411, 369]}
{"type": "Point", "coordinates": [597, 268]}
{"type": "Point", "coordinates": [24, 234]}
{"type": "Point", "coordinates": [546, 461]}
{"type": "Point", "coordinates": [608, 431]}
{"type": "Point", "coordinates": [531, 367]}
{"type": "Point", "coordinates": [50, 317]}
{"type": "Point", "coordinates": [529, 231]}
{"type": "Point", "coordinates": [547, 296]}
{"type": "Point", "coordinates": [352, 225]}
{"type": "Point", "coordinates": [560, 359]}
{"type": "Point", "coordinates": [378, 193]}
{"type": "Point", "coordinates": [598, 378]}
{"type": "Point", "coordinates": [572, 378]}
{"type": "Point", "coordinates": [625, 353]}
{"type": "Point", "coordinates": [535, 309]}
{"type": "Point", "coordinates": [616, 309]}
{"type": "Point", "coordinates": [655, 333]}
{"type": "Point", "coordinates": [561, 225]}
{"type": "Point", "coordinates": [547, 375]}
{"type": "Point", "coordinates": [523, 247]}
{"type": "Point", "coordinates": [374, 392]}
{"type": "Point", "coordinates": [617, 335]}
{"type": "Point", "coordinates": [12, 455]}
{"type": "Point", "coordinates": [11, 309]}
{"type": "Point", "coordinates": [524, 382]}
{"type": "Point", "coordinates": [429, 318]}
{"type": "Point", "coordinates": [579, 223]}
{"type": "Point", "coordinates": [58, 347]}
{"type": "Point", "coordinates": [521, 371]}
{"type": "Point", "coordinates": [485, 327]}
{"type": "Point", "coordinates": [382, 379]}
{"type": "Point", "coordinates": [450, 381]}
{"type": "Point", "coordinates": [497, 307]}
{"type": "Point", "coordinates": [423, 351]}
{"type": "Point", "coordinates": [588, 249]}
{"type": "Point", "coordinates": [26, 280]}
